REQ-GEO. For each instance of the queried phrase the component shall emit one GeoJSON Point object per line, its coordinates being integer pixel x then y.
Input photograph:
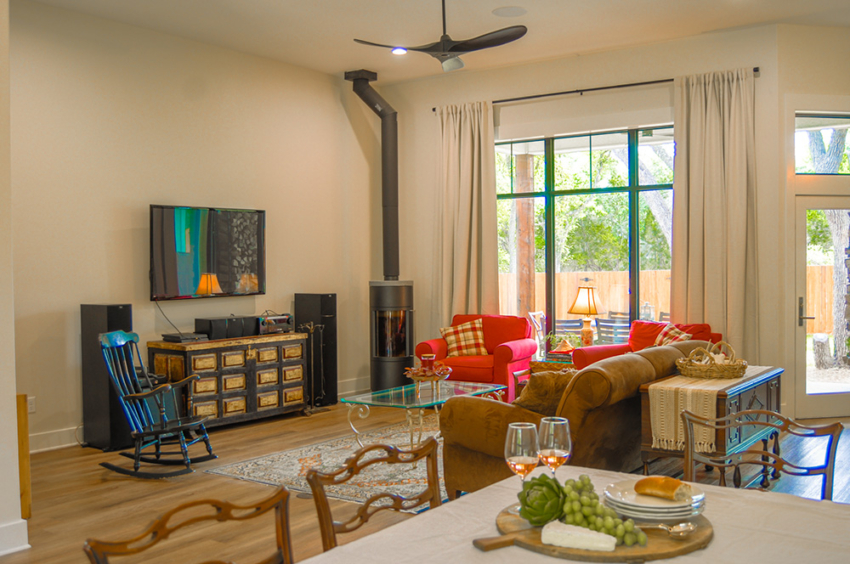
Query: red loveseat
{"type": "Point", "coordinates": [641, 335]}
{"type": "Point", "coordinates": [508, 341]}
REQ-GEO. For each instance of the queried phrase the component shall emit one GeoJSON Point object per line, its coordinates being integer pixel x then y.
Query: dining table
{"type": "Point", "coordinates": [750, 526]}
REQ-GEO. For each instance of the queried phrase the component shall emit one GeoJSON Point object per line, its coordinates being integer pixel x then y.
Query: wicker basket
{"type": "Point", "coordinates": [700, 363]}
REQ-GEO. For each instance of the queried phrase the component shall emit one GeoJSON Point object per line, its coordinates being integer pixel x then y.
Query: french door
{"type": "Point", "coordinates": [822, 367]}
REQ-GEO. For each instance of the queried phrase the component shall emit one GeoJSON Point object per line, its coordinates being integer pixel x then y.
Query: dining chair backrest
{"type": "Point", "coordinates": [610, 331]}
{"type": "Point", "coordinates": [618, 315]}
{"type": "Point", "coordinates": [771, 425]}
{"type": "Point", "coordinates": [360, 460]}
{"type": "Point", "coordinates": [664, 317]}
{"type": "Point", "coordinates": [190, 513]}
{"type": "Point", "coordinates": [568, 326]}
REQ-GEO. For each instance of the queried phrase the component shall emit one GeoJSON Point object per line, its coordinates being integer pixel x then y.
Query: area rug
{"type": "Point", "coordinates": [289, 467]}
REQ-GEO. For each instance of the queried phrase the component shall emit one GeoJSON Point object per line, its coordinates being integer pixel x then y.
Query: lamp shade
{"type": "Point", "coordinates": [585, 303]}
{"type": "Point", "coordinates": [208, 285]}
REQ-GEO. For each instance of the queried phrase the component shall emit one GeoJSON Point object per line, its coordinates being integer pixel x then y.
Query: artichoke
{"type": "Point", "coordinates": [541, 500]}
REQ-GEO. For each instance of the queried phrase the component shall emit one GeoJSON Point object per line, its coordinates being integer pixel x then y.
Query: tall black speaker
{"type": "Point", "coordinates": [320, 309]}
{"type": "Point", "coordinates": [104, 424]}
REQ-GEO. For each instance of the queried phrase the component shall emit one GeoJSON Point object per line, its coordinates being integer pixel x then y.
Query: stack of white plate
{"type": "Point", "coordinates": [623, 499]}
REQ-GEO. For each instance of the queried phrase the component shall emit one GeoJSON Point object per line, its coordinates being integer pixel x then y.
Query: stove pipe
{"type": "Point", "coordinates": [389, 165]}
{"type": "Point", "coordinates": [391, 301]}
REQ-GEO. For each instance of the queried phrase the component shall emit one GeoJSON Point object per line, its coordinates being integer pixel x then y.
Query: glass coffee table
{"type": "Point", "coordinates": [415, 402]}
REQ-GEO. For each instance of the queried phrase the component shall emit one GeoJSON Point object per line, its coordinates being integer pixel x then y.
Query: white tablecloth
{"type": "Point", "coordinates": [749, 527]}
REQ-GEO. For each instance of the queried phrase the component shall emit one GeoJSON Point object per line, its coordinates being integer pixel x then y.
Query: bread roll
{"type": "Point", "coordinates": [662, 486]}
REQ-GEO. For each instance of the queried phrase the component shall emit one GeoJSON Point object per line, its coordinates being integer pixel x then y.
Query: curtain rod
{"type": "Point", "coordinates": [583, 90]}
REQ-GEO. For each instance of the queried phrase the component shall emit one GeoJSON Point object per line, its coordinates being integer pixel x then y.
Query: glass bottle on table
{"type": "Point", "coordinates": [521, 451]}
{"type": "Point", "coordinates": [555, 443]}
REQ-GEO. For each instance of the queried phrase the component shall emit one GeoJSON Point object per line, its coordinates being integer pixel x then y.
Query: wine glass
{"type": "Point", "coordinates": [521, 450]}
{"type": "Point", "coordinates": [555, 442]}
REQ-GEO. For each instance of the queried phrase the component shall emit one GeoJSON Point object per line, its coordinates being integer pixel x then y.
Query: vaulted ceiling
{"type": "Point", "coordinates": [318, 34]}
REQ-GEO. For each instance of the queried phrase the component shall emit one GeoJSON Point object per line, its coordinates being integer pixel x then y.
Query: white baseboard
{"type": "Point", "coordinates": [52, 440]}
{"type": "Point", "coordinates": [13, 537]}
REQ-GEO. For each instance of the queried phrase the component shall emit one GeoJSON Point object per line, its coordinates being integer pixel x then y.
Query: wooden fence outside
{"type": "Point", "coordinates": [613, 293]}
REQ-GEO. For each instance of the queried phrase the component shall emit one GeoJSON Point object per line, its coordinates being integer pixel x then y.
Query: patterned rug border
{"type": "Point", "coordinates": [296, 484]}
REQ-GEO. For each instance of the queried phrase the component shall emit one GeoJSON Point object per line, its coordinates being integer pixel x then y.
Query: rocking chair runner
{"type": "Point", "coordinates": [153, 410]}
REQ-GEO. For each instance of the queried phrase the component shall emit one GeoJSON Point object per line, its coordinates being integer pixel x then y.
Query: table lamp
{"type": "Point", "coordinates": [586, 305]}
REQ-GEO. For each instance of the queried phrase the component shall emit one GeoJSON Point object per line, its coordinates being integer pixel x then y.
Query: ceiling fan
{"type": "Point", "coordinates": [447, 50]}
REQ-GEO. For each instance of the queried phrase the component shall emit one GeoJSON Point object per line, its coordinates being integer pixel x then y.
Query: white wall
{"type": "Point", "coordinates": [419, 140]}
{"type": "Point", "coordinates": [108, 119]}
{"type": "Point", "coordinates": [13, 529]}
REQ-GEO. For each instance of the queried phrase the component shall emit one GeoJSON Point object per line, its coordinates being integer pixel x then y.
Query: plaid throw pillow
{"type": "Point", "coordinates": [466, 339]}
{"type": "Point", "coordinates": [670, 334]}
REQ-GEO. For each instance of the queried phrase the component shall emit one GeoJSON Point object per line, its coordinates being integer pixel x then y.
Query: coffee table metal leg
{"type": "Point", "coordinates": [362, 412]}
{"type": "Point", "coordinates": [414, 420]}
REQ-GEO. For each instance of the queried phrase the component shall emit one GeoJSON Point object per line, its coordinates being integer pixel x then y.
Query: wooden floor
{"type": "Point", "coordinates": [74, 498]}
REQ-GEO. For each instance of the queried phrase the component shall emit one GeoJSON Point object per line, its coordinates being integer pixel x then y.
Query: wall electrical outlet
{"type": "Point", "coordinates": [31, 404]}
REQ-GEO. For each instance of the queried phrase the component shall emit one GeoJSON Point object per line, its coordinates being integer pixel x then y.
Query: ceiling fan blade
{"type": "Point", "coordinates": [376, 44]}
{"type": "Point", "coordinates": [492, 39]}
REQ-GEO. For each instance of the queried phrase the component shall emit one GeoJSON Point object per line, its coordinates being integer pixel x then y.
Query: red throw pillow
{"type": "Point", "coordinates": [643, 334]}
{"type": "Point", "coordinates": [466, 339]}
{"type": "Point", "coordinates": [670, 334]}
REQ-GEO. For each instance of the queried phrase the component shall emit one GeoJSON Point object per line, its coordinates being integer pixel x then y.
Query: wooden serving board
{"type": "Point", "coordinates": [659, 545]}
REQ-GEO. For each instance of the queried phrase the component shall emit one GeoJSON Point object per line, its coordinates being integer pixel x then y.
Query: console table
{"type": "Point", "coordinates": [239, 379]}
{"type": "Point", "coordinates": [758, 391]}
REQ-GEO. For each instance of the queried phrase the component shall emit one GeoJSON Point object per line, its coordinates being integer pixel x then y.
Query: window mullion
{"type": "Point", "coordinates": [549, 233]}
{"type": "Point", "coordinates": [634, 229]}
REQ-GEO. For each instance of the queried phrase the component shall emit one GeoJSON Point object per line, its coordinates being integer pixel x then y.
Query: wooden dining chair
{"type": "Point", "coordinates": [99, 552]}
{"type": "Point", "coordinates": [770, 426]}
{"type": "Point", "coordinates": [363, 458]}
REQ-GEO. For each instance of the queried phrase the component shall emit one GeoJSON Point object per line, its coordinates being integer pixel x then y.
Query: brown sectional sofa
{"type": "Point", "coordinates": [601, 401]}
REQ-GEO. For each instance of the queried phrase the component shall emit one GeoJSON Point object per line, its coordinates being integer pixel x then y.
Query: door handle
{"type": "Point", "coordinates": [801, 312]}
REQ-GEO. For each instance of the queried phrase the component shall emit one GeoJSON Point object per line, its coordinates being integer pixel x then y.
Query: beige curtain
{"type": "Point", "coordinates": [466, 277]}
{"type": "Point", "coordinates": [714, 263]}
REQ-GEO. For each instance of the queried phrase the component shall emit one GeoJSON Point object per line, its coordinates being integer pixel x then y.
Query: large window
{"type": "Point", "coordinates": [589, 210]}
{"type": "Point", "coordinates": [820, 144]}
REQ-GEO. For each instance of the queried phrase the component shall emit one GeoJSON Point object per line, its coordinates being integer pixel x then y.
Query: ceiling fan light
{"type": "Point", "coordinates": [452, 63]}
{"type": "Point", "coordinates": [399, 51]}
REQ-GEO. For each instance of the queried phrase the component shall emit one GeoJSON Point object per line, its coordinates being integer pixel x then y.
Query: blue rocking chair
{"type": "Point", "coordinates": [153, 410]}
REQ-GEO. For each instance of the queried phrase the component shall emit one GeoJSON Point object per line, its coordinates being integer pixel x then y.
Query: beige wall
{"type": "Point", "coordinates": [710, 52]}
{"type": "Point", "coordinates": [108, 119]}
{"type": "Point", "coordinates": [13, 529]}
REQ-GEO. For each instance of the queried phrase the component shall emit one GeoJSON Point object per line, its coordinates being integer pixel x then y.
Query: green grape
{"type": "Point", "coordinates": [585, 479]}
{"type": "Point", "coordinates": [630, 539]}
{"type": "Point", "coordinates": [570, 519]}
{"type": "Point", "coordinates": [619, 541]}
{"type": "Point", "coordinates": [609, 523]}
{"type": "Point", "coordinates": [641, 538]}
{"type": "Point", "coordinates": [567, 490]}
{"type": "Point", "coordinates": [600, 523]}
{"type": "Point", "coordinates": [629, 526]}
{"type": "Point", "coordinates": [587, 511]}
{"type": "Point", "coordinates": [568, 507]}
{"type": "Point", "coordinates": [618, 521]}
{"type": "Point", "coordinates": [576, 506]}
{"type": "Point", "coordinates": [574, 495]}
{"type": "Point", "coordinates": [570, 483]}
{"type": "Point", "coordinates": [592, 526]}
{"type": "Point", "coordinates": [620, 530]}
{"type": "Point", "coordinates": [594, 496]}
{"type": "Point", "coordinates": [584, 500]}
{"type": "Point", "coordinates": [599, 510]}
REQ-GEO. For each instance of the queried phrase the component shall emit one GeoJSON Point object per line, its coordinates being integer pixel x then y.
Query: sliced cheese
{"type": "Point", "coordinates": [570, 536]}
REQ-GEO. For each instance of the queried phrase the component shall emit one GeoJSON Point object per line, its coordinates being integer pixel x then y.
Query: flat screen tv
{"type": "Point", "coordinates": [206, 252]}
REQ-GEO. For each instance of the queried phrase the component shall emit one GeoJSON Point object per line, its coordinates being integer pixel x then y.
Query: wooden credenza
{"type": "Point", "coordinates": [761, 391]}
{"type": "Point", "coordinates": [239, 379]}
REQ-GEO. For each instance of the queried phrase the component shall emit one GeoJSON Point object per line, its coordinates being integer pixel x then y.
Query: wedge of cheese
{"type": "Point", "coordinates": [570, 536]}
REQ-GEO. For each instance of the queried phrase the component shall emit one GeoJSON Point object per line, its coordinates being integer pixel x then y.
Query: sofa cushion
{"type": "Point", "coordinates": [643, 334]}
{"type": "Point", "coordinates": [671, 334]}
{"type": "Point", "coordinates": [470, 368]}
{"type": "Point", "coordinates": [466, 339]}
{"type": "Point", "coordinates": [542, 393]}
{"type": "Point", "coordinates": [698, 331]}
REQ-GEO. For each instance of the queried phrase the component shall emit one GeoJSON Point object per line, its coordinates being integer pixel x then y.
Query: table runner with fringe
{"type": "Point", "coordinates": [668, 398]}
